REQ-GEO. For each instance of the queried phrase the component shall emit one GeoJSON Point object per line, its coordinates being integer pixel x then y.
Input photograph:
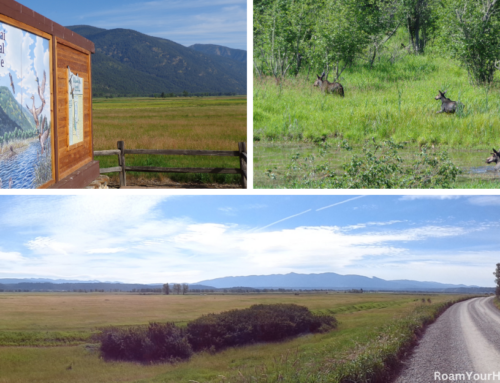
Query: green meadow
{"type": "Point", "coordinates": [47, 337]}
{"type": "Point", "coordinates": [393, 100]}
{"type": "Point", "coordinates": [208, 123]}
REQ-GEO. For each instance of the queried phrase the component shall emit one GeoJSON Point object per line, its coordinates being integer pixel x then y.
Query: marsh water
{"type": "Point", "coordinates": [276, 157]}
{"type": "Point", "coordinates": [20, 166]}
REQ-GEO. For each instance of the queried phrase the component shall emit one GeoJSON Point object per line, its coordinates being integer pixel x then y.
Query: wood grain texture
{"type": "Point", "coordinates": [32, 19]}
{"type": "Point", "coordinates": [70, 158]}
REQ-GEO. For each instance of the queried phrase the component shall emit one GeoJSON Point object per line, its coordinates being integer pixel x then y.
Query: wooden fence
{"type": "Point", "coordinates": [122, 168]}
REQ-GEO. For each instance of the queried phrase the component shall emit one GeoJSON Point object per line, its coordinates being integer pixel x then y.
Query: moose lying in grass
{"type": "Point", "coordinates": [495, 157]}
{"type": "Point", "coordinates": [329, 87]}
{"type": "Point", "coordinates": [447, 105]}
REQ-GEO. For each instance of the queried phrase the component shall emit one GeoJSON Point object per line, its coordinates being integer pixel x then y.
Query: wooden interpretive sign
{"type": "Point", "coordinates": [45, 103]}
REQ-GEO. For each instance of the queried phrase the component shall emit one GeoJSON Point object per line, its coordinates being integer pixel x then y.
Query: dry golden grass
{"type": "Point", "coordinates": [360, 318]}
{"type": "Point", "coordinates": [209, 123]}
{"type": "Point", "coordinates": [203, 124]}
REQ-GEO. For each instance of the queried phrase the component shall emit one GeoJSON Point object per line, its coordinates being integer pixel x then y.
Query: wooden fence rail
{"type": "Point", "coordinates": [122, 168]}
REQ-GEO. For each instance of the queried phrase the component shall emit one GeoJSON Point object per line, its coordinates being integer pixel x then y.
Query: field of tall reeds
{"type": "Point", "coordinates": [208, 123]}
{"type": "Point", "coordinates": [372, 331]}
{"type": "Point", "coordinates": [395, 99]}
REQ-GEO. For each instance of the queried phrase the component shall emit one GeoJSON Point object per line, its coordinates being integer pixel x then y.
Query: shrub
{"type": "Point", "coordinates": [259, 323]}
{"type": "Point", "coordinates": [379, 166]}
{"type": "Point", "coordinates": [157, 342]}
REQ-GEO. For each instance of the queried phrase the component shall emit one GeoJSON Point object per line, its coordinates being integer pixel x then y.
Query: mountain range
{"type": "Point", "coordinates": [331, 281]}
{"type": "Point", "coordinates": [323, 281]}
{"type": "Point", "coordinates": [128, 62]}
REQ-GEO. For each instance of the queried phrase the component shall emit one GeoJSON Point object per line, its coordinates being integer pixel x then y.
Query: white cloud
{"type": "Point", "coordinates": [485, 200]}
{"type": "Point", "coordinates": [364, 225]}
{"type": "Point", "coordinates": [438, 197]}
{"type": "Point", "coordinates": [106, 251]}
{"type": "Point", "coordinates": [133, 239]}
{"type": "Point", "coordinates": [11, 256]}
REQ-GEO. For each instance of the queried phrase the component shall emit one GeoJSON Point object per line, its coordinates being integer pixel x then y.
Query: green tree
{"type": "Point", "coordinates": [339, 36]}
{"type": "Point", "coordinates": [166, 289]}
{"type": "Point", "coordinates": [177, 288]}
{"type": "Point", "coordinates": [380, 19]}
{"type": "Point", "coordinates": [272, 53]}
{"type": "Point", "coordinates": [420, 20]}
{"type": "Point", "coordinates": [496, 273]}
{"type": "Point", "coordinates": [471, 30]}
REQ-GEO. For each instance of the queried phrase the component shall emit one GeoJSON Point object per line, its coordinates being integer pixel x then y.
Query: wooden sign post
{"type": "Point", "coordinates": [45, 103]}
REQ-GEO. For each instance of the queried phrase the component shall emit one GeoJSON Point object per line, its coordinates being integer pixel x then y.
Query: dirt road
{"type": "Point", "coordinates": [463, 345]}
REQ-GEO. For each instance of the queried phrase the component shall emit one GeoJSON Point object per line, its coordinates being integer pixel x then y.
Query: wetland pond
{"type": "Point", "coordinates": [277, 157]}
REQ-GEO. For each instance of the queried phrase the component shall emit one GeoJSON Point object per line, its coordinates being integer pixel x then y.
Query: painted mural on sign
{"type": "Point", "coordinates": [25, 109]}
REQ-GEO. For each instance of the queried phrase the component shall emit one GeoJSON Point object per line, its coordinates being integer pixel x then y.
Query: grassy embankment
{"type": "Point", "coordinates": [372, 328]}
{"type": "Point", "coordinates": [390, 101]}
{"type": "Point", "coordinates": [209, 123]}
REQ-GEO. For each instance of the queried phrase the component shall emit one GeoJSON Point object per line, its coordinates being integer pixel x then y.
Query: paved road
{"type": "Point", "coordinates": [465, 339]}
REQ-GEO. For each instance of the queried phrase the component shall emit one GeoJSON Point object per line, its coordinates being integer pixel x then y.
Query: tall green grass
{"type": "Point", "coordinates": [374, 361]}
{"type": "Point", "coordinates": [368, 325]}
{"type": "Point", "coordinates": [209, 123]}
{"type": "Point", "coordinates": [391, 100]}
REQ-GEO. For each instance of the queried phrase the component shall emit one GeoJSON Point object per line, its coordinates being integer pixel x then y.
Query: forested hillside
{"type": "Point", "coordinates": [293, 36]}
{"type": "Point", "coordinates": [127, 62]}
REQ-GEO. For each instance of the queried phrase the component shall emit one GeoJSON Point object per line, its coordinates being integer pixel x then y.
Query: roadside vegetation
{"type": "Point", "coordinates": [496, 273]}
{"type": "Point", "coordinates": [209, 123]}
{"type": "Point", "coordinates": [211, 332]}
{"type": "Point", "coordinates": [392, 58]}
{"type": "Point", "coordinates": [372, 330]}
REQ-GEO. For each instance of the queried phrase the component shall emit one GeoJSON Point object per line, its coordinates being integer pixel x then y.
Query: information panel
{"type": "Point", "coordinates": [75, 108]}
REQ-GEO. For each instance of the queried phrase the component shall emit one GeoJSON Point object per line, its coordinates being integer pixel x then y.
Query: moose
{"type": "Point", "coordinates": [328, 87]}
{"type": "Point", "coordinates": [447, 105]}
{"type": "Point", "coordinates": [495, 157]}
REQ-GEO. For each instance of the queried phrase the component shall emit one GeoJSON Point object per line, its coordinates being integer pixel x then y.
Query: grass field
{"type": "Point", "coordinates": [362, 318]}
{"type": "Point", "coordinates": [208, 123]}
{"type": "Point", "coordinates": [393, 100]}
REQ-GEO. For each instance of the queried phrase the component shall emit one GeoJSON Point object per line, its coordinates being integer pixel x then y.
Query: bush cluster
{"type": "Point", "coordinates": [259, 323]}
{"type": "Point", "coordinates": [212, 332]}
{"type": "Point", "coordinates": [156, 342]}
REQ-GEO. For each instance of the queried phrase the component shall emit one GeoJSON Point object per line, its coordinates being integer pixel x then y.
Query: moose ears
{"type": "Point", "coordinates": [497, 153]}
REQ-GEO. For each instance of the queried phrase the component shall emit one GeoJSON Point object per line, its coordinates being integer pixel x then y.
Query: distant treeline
{"type": "Point", "coordinates": [167, 95]}
{"type": "Point", "coordinates": [200, 289]}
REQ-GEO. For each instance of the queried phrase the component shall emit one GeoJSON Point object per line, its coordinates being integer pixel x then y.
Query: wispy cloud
{"type": "Point", "coordinates": [340, 203]}
{"type": "Point", "coordinates": [437, 197]}
{"type": "Point", "coordinates": [284, 219]}
{"type": "Point", "coordinates": [221, 22]}
{"type": "Point", "coordinates": [490, 200]}
{"type": "Point", "coordinates": [364, 225]}
{"type": "Point", "coordinates": [137, 239]}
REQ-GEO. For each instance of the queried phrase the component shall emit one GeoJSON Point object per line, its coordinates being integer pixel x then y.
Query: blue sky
{"type": "Point", "coordinates": [152, 239]}
{"type": "Point", "coordinates": [221, 22]}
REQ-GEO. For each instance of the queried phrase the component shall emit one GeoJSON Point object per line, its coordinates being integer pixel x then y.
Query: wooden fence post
{"type": "Point", "coordinates": [243, 163]}
{"type": "Point", "coordinates": [121, 162]}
